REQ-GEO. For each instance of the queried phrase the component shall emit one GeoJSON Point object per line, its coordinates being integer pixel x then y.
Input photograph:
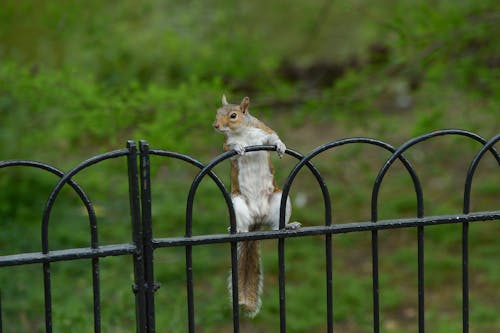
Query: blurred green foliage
{"type": "Point", "coordinates": [80, 77]}
{"type": "Point", "coordinates": [89, 72]}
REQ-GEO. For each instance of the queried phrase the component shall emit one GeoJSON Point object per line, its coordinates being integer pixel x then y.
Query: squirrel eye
{"type": "Point", "coordinates": [233, 115]}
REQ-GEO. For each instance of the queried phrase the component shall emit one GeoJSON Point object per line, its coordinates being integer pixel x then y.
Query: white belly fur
{"type": "Point", "coordinates": [256, 183]}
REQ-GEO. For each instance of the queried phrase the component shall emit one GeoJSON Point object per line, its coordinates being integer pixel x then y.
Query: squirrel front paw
{"type": "Point", "coordinates": [280, 148]}
{"type": "Point", "coordinates": [239, 149]}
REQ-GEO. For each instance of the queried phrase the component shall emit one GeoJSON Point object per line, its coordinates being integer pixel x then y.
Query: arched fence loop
{"type": "Point", "coordinates": [420, 229]}
{"type": "Point", "coordinates": [93, 242]}
{"type": "Point", "coordinates": [143, 242]}
{"type": "Point", "coordinates": [45, 239]}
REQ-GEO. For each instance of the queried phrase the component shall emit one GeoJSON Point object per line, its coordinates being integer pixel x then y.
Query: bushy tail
{"type": "Point", "coordinates": [249, 277]}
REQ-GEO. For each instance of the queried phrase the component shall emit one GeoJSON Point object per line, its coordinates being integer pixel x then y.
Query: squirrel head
{"type": "Point", "coordinates": [231, 117]}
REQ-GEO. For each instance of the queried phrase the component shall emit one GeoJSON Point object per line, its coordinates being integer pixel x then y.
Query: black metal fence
{"type": "Point", "coordinates": [143, 243]}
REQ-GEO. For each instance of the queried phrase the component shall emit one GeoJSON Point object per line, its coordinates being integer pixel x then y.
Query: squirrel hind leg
{"type": "Point", "coordinates": [293, 225]}
{"type": "Point", "coordinates": [244, 219]}
{"type": "Point", "coordinates": [274, 213]}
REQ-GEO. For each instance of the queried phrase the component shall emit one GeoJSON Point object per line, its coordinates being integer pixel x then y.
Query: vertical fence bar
{"type": "Point", "coordinates": [234, 278]}
{"type": "Point", "coordinates": [189, 286]}
{"type": "Point", "coordinates": [96, 283]}
{"type": "Point", "coordinates": [147, 233]}
{"type": "Point", "coordinates": [465, 277]}
{"type": "Point", "coordinates": [329, 282]}
{"type": "Point", "coordinates": [329, 252]}
{"type": "Point", "coordinates": [420, 258]}
{"type": "Point", "coordinates": [189, 267]}
{"type": "Point", "coordinates": [421, 293]}
{"type": "Point", "coordinates": [375, 262]}
{"type": "Point", "coordinates": [97, 294]}
{"type": "Point", "coordinates": [189, 263]}
{"type": "Point", "coordinates": [465, 251]}
{"type": "Point", "coordinates": [375, 282]}
{"type": "Point", "coordinates": [47, 297]}
{"type": "Point", "coordinates": [135, 215]}
{"type": "Point", "coordinates": [282, 291]}
{"type": "Point", "coordinates": [1, 321]}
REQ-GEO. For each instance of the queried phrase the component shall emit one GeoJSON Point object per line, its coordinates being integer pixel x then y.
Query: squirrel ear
{"type": "Point", "coordinates": [224, 100]}
{"type": "Point", "coordinates": [244, 104]}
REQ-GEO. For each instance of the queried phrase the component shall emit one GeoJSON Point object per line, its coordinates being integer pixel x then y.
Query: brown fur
{"type": "Point", "coordinates": [249, 276]}
{"type": "Point", "coordinates": [264, 127]}
{"type": "Point", "coordinates": [235, 183]}
{"type": "Point", "coordinates": [223, 117]}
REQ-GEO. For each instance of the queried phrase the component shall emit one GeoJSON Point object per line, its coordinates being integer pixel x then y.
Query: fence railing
{"type": "Point", "coordinates": [143, 244]}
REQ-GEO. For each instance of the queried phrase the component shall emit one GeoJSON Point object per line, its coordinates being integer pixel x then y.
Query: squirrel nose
{"type": "Point", "coordinates": [215, 125]}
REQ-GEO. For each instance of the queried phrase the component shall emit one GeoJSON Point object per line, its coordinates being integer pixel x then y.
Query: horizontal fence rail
{"type": "Point", "coordinates": [143, 243]}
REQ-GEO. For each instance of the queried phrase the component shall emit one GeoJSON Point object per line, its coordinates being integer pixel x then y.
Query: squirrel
{"type": "Point", "coordinates": [255, 195]}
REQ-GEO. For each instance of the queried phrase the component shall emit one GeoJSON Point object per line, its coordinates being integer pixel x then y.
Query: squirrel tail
{"type": "Point", "coordinates": [249, 277]}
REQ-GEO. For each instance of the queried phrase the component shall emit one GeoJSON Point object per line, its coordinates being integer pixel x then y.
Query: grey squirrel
{"type": "Point", "coordinates": [255, 195]}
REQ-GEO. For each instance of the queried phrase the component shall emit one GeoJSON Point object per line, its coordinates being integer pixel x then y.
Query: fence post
{"type": "Point", "coordinates": [135, 215]}
{"type": "Point", "coordinates": [151, 286]}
